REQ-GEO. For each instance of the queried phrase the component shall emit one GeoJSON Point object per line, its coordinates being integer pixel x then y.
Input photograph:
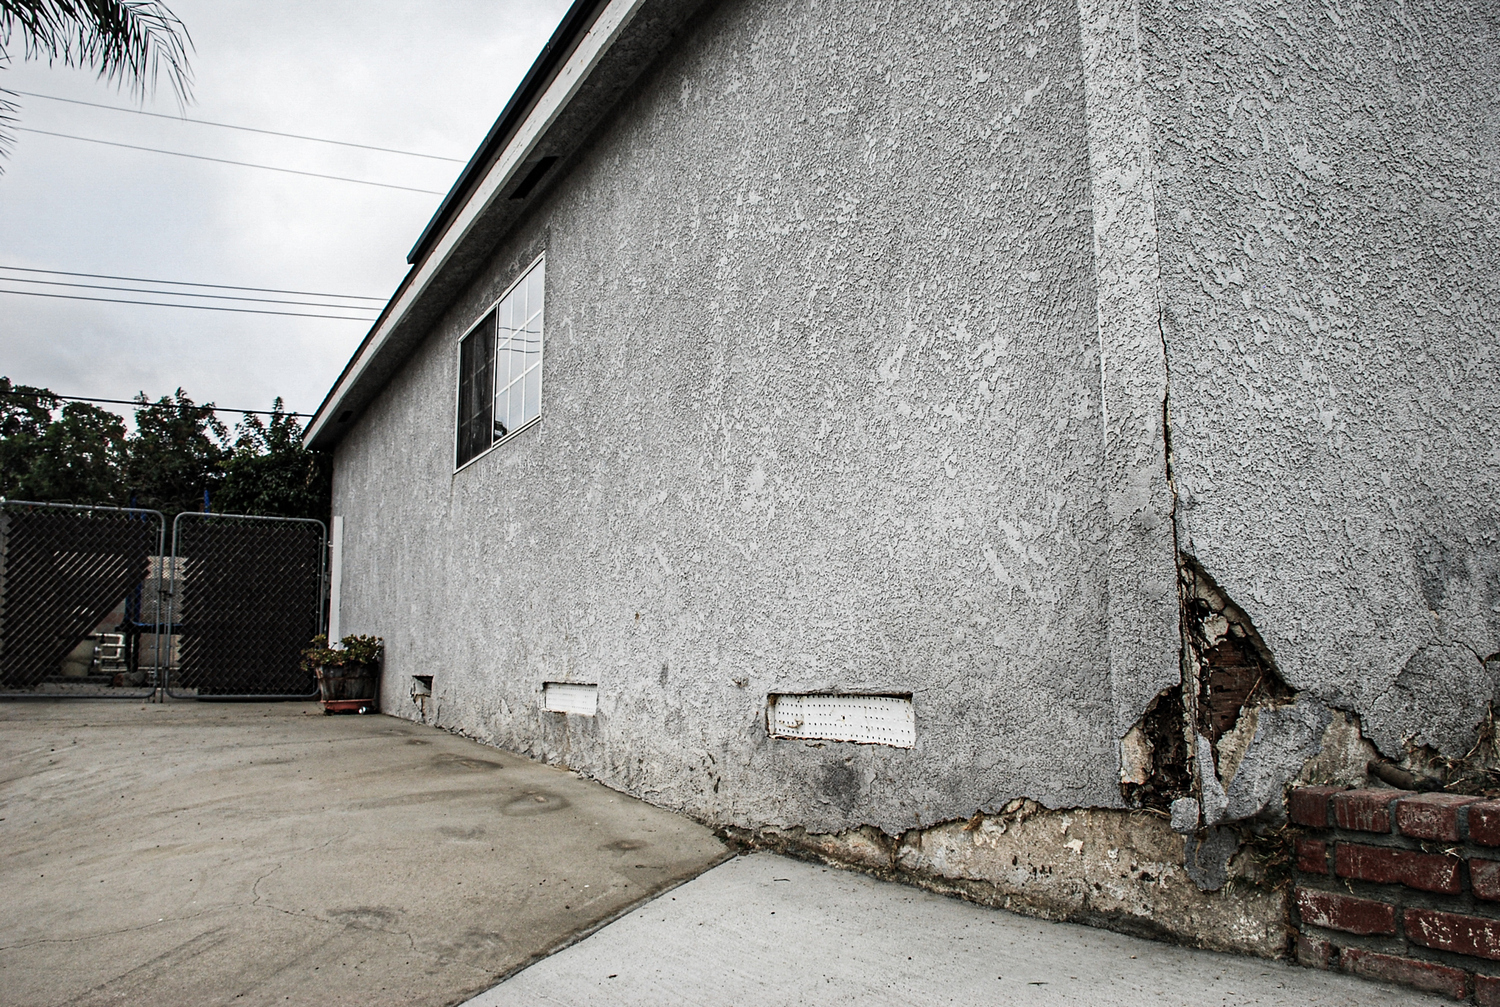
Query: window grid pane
{"type": "Point", "coordinates": [500, 369]}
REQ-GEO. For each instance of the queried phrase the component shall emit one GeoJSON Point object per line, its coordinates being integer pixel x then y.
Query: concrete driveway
{"type": "Point", "coordinates": [263, 853]}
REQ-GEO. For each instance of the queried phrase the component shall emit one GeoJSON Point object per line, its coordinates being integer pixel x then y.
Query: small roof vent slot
{"type": "Point", "coordinates": [533, 177]}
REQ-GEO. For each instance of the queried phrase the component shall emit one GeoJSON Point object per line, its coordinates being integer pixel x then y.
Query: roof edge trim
{"type": "Point", "coordinates": [600, 33]}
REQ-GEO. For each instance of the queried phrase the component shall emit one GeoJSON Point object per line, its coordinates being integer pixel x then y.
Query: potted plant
{"type": "Point", "coordinates": [348, 674]}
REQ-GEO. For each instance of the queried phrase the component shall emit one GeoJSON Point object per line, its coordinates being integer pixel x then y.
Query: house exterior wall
{"type": "Point", "coordinates": [1327, 197]}
{"type": "Point", "coordinates": [821, 412]}
{"type": "Point", "coordinates": [989, 356]}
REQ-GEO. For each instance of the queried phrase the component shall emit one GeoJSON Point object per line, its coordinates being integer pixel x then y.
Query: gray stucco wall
{"type": "Point", "coordinates": [821, 411]}
{"type": "Point", "coordinates": [864, 326]}
{"type": "Point", "coordinates": [1326, 188]}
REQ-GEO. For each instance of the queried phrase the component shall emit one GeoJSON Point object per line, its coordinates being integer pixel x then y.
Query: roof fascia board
{"type": "Point", "coordinates": [569, 30]}
{"type": "Point", "coordinates": [601, 35]}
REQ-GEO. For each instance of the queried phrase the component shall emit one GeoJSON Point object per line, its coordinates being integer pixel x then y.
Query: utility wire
{"type": "Point", "coordinates": [247, 129]}
{"type": "Point", "coordinates": [196, 307]}
{"type": "Point", "coordinates": [184, 283]}
{"type": "Point", "coordinates": [133, 402]}
{"type": "Point", "coordinates": [173, 293]}
{"type": "Point", "coordinates": [222, 160]}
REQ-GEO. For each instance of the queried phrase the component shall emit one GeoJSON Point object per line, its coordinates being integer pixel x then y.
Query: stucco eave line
{"type": "Point", "coordinates": [596, 43]}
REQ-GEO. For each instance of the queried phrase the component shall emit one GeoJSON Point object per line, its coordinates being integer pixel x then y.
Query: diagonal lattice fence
{"type": "Point", "coordinates": [78, 600]}
{"type": "Point", "coordinates": [247, 597]}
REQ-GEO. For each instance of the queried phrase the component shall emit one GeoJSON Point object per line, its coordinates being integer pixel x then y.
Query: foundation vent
{"type": "Point", "coordinates": [867, 720]}
{"type": "Point", "coordinates": [569, 697]}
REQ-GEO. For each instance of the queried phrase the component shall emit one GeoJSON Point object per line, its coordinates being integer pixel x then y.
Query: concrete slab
{"type": "Point", "coordinates": [216, 853]}
{"type": "Point", "coordinates": [764, 929]}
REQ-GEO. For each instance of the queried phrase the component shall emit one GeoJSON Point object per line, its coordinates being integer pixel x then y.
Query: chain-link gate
{"type": "Point", "coordinates": [79, 600]}
{"type": "Point", "coordinates": [245, 598]}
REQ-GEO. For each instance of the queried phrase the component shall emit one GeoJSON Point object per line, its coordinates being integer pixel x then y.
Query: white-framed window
{"type": "Point", "coordinates": [500, 368]}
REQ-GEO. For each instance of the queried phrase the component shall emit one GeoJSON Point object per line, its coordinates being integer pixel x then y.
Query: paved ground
{"type": "Point", "coordinates": [764, 930]}
{"type": "Point", "coordinates": [196, 853]}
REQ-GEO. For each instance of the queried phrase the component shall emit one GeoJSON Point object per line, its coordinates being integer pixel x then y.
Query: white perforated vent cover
{"type": "Point", "coordinates": [569, 697]}
{"type": "Point", "coordinates": [869, 720]}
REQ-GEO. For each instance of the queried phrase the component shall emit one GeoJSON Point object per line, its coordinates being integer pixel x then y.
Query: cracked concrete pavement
{"type": "Point", "coordinates": [257, 853]}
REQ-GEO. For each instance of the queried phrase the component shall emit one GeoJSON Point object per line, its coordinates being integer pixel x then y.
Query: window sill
{"type": "Point", "coordinates": [517, 432]}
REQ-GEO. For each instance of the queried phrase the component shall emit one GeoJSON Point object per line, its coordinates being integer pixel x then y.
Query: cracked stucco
{"type": "Point", "coordinates": [1326, 188]}
{"type": "Point", "coordinates": [860, 325]}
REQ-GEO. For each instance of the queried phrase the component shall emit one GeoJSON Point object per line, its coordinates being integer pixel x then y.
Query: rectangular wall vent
{"type": "Point", "coordinates": [868, 720]}
{"type": "Point", "coordinates": [569, 697]}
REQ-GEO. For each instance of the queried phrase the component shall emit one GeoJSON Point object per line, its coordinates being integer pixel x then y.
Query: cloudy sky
{"type": "Point", "coordinates": [429, 77]}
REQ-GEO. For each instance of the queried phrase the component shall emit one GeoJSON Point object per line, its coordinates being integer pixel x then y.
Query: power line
{"type": "Point", "coordinates": [222, 160]}
{"type": "Point", "coordinates": [185, 283]}
{"type": "Point", "coordinates": [196, 307]}
{"type": "Point", "coordinates": [133, 402]}
{"type": "Point", "coordinates": [173, 293]}
{"type": "Point", "coordinates": [247, 129]}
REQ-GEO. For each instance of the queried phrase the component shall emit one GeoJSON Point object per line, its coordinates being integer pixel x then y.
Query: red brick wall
{"type": "Point", "coordinates": [1400, 887]}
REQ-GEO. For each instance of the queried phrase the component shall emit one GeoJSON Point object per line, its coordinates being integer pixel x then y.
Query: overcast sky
{"type": "Point", "coordinates": [428, 77]}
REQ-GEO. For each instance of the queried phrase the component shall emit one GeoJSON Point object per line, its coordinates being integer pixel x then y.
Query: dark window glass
{"type": "Point", "coordinates": [476, 383]}
{"type": "Point", "coordinates": [500, 369]}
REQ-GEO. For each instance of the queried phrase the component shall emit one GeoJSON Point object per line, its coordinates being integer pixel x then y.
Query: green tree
{"type": "Point", "coordinates": [175, 455]}
{"type": "Point", "coordinates": [129, 42]}
{"type": "Point", "coordinates": [270, 472]}
{"type": "Point", "coordinates": [25, 413]}
{"type": "Point", "coordinates": [81, 457]}
{"type": "Point", "coordinates": [75, 458]}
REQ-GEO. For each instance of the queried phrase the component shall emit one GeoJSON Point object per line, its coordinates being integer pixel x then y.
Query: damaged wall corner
{"type": "Point", "coordinates": [1123, 870]}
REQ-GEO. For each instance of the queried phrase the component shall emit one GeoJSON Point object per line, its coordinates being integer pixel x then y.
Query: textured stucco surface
{"type": "Point", "coordinates": [1327, 186]}
{"type": "Point", "coordinates": [821, 412]}
{"type": "Point", "coordinates": [869, 328]}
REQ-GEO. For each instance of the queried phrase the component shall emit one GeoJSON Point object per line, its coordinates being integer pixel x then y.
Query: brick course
{"type": "Point", "coordinates": [1366, 810]}
{"type": "Point", "coordinates": [1484, 823]}
{"type": "Point", "coordinates": [1413, 896]}
{"type": "Point", "coordinates": [1424, 871]}
{"type": "Point", "coordinates": [1441, 979]}
{"type": "Point", "coordinates": [1312, 856]}
{"type": "Point", "coordinates": [1309, 805]}
{"type": "Point", "coordinates": [1430, 816]}
{"type": "Point", "coordinates": [1484, 877]}
{"type": "Point", "coordinates": [1332, 911]}
{"type": "Point", "coordinates": [1455, 932]}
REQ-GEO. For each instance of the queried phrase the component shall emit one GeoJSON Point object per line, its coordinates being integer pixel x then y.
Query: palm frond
{"type": "Point", "coordinates": [131, 43]}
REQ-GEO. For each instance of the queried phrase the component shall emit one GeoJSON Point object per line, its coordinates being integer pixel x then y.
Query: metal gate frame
{"type": "Point", "coordinates": [158, 669]}
{"type": "Point", "coordinates": [171, 594]}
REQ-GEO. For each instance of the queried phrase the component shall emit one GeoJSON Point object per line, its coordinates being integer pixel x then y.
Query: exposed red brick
{"type": "Point", "coordinates": [1430, 816]}
{"type": "Point", "coordinates": [1366, 810]}
{"type": "Point", "coordinates": [1315, 954]}
{"type": "Point", "coordinates": [1312, 856]}
{"type": "Point", "coordinates": [1344, 912]}
{"type": "Point", "coordinates": [1464, 935]}
{"type": "Point", "coordinates": [1486, 990]}
{"type": "Point", "coordinates": [1484, 875]}
{"type": "Point", "coordinates": [1309, 805]}
{"type": "Point", "coordinates": [1427, 871]}
{"type": "Point", "coordinates": [1484, 823]}
{"type": "Point", "coordinates": [1427, 976]}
